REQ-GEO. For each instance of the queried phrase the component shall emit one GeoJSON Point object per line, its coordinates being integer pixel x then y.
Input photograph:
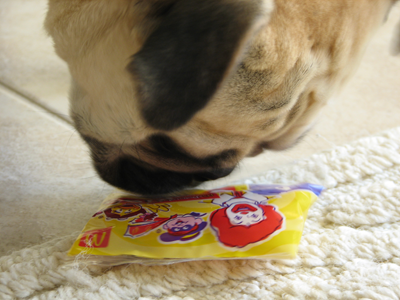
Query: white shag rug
{"type": "Point", "coordinates": [350, 248]}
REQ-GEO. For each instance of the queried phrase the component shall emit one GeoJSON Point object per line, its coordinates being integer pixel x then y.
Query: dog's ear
{"type": "Point", "coordinates": [194, 48]}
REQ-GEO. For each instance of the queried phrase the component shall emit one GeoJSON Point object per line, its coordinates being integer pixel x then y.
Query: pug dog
{"type": "Point", "coordinates": [170, 93]}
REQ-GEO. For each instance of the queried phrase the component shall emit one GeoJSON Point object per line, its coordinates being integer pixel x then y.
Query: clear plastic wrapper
{"type": "Point", "coordinates": [247, 221]}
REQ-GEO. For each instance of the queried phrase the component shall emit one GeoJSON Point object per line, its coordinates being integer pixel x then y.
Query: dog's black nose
{"type": "Point", "coordinates": [132, 175]}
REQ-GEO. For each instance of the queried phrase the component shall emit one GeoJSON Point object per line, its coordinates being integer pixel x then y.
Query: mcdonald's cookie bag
{"type": "Point", "coordinates": [248, 221]}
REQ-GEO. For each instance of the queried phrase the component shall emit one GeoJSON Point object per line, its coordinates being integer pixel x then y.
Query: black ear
{"type": "Point", "coordinates": [184, 61]}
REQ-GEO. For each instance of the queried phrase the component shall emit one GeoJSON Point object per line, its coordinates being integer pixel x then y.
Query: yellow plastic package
{"type": "Point", "coordinates": [248, 221]}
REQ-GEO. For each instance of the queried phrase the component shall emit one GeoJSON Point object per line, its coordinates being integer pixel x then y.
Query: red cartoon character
{"type": "Point", "coordinates": [179, 227]}
{"type": "Point", "coordinates": [244, 218]}
{"type": "Point", "coordinates": [145, 224]}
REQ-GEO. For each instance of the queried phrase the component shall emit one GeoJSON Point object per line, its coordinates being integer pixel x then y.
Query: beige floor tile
{"type": "Point", "coordinates": [47, 185]}
{"type": "Point", "coordinates": [27, 59]}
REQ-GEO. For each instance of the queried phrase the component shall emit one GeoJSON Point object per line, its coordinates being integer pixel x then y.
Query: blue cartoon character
{"type": "Point", "coordinates": [183, 227]}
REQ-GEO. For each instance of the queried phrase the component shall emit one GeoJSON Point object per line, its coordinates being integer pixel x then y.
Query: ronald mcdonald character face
{"type": "Point", "coordinates": [244, 223]}
{"type": "Point", "coordinates": [245, 214]}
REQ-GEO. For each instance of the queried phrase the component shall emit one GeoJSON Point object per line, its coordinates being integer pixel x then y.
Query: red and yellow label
{"type": "Point", "coordinates": [242, 221]}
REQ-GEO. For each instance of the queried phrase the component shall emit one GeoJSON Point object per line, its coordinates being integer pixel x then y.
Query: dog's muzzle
{"type": "Point", "coordinates": [135, 175]}
{"type": "Point", "coordinates": [130, 174]}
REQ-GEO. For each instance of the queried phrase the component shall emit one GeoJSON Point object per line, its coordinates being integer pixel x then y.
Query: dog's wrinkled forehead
{"type": "Point", "coordinates": [154, 71]}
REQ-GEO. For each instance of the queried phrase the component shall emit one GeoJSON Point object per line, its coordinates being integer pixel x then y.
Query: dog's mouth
{"type": "Point", "coordinates": [243, 208]}
{"type": "Point", "coordinates": [160, 169]}
{"type": "Point", "coordinates": [130, 174]}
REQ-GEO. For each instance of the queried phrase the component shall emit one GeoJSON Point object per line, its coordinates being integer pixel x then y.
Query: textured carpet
{"type": "Point", "coordinates": [350, 248]}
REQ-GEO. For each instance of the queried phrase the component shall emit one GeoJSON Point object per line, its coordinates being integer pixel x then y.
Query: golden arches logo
{"type": "Point", "coordinates": [96, 238]}
{"type": "Point", "coordinates": [93, 240]}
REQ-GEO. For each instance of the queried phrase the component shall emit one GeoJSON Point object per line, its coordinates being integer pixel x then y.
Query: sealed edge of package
{"type": "Point", "coordinates": [236, 222]}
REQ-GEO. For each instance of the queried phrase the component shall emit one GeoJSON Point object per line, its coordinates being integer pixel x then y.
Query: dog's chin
{"type": "Point", "coordinates": [129, 174]}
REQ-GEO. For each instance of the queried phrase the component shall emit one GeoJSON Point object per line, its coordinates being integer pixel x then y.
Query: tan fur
{"type": "Point", "coordinates": [293, 66]}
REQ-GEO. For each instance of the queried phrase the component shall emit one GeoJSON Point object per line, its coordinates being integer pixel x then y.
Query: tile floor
{"type": "Point", "coordinates": [47, 186]}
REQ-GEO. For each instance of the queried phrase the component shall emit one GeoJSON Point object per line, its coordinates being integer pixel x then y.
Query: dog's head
{"type": "Point", "coordinates": [171, 93]}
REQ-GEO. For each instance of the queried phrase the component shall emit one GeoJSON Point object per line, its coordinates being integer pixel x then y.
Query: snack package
{"type": "Point", "coordinates": [249, 221]}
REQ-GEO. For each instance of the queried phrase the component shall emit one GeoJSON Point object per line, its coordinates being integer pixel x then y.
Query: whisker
{"type": "Point", "coordinates": [120, 149]}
